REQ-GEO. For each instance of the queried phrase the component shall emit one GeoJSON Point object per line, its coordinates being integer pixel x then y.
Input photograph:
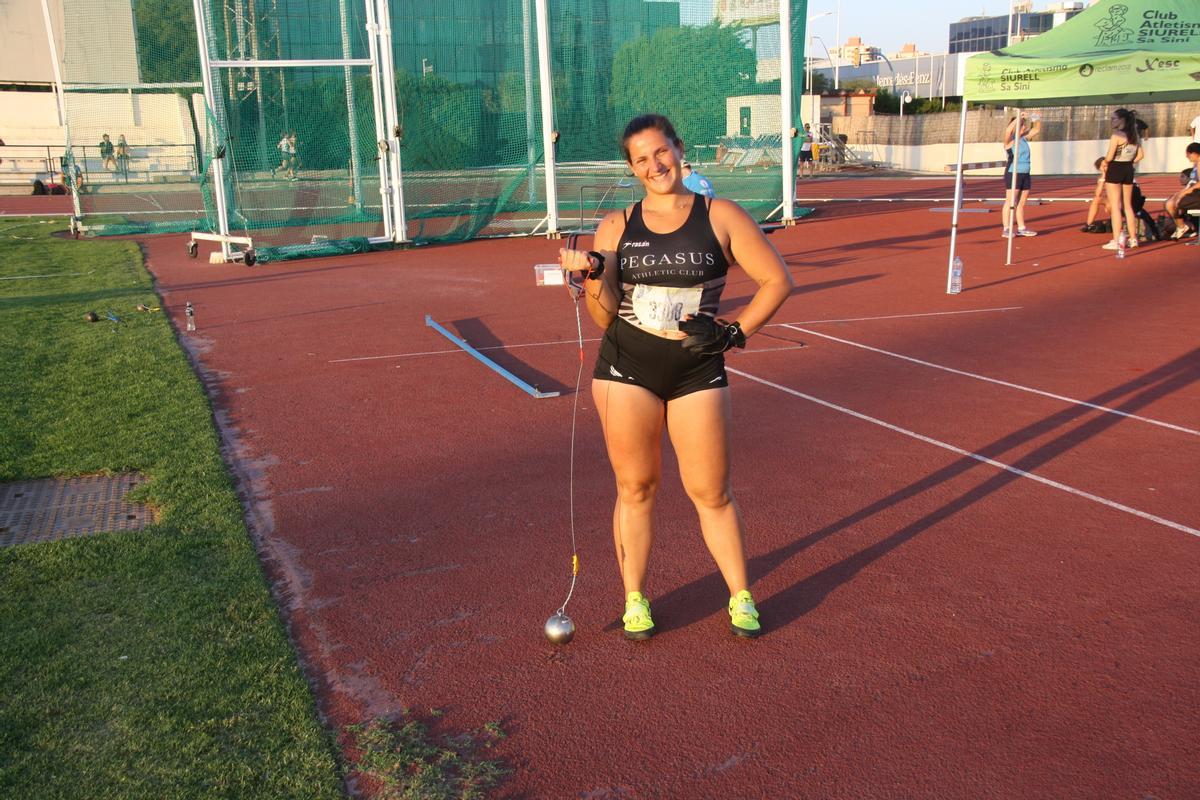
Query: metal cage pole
{"type": "Point", "coordinates": [530, 127]}
{"type": "Point", "coordinates": [352, 117]}
{"type": "Point", "coordinates": [1012, 209]}
{"type": "Point", "coordinates": [548, 132]}
{"type": "Point", "coordinates": [393, 122]}
{"type": "Point", "coordinates": [785, 102]}
{"type": "Point", "coordinates": [204, 36]}
{"type": "Point", "coordinates": [958, 193]}
{"type": "Point", "coordinates": [62, 110]}
{"type": "Point", "coordinates": [380, 125]}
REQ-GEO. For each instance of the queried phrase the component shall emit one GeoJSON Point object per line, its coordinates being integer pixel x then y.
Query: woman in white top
{"type": "Point", "coordinates": [1124, 151]}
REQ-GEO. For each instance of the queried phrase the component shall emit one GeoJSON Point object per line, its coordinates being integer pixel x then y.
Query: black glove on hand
{"type": "Point", "coordinates": [710, 337]}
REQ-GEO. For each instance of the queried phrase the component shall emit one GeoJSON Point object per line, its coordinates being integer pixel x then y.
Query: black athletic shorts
{"type": "Point", "coordinates": [1024, 182]}
{"type": "Point", "coordinates": [1120, 172]}
{"type": "Point", "coordinates": [629, 354]}
{"type": "Point", "coordinates": [806, 155]}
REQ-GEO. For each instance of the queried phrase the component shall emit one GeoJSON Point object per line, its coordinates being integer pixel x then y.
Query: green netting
{"type": "Point", "coordinates": [301, 155]}
{"type": "Point", "coordinates": [470, 114]}
{"type": "Point", "coordinates": [137, 145]}
{"type": "Point", "coordinates": [300, 143]}
{"type": "Point", "coordinates": [318, 248]}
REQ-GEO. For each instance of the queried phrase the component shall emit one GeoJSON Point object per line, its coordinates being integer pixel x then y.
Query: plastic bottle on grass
{"type": "Point", "coordinates": [956, 267]}
{"type": "Point", "coordinates": [1121, 245]}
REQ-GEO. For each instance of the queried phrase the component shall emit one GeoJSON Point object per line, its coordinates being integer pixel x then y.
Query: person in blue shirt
{"type": "Point", "coordinates": [1015, 199]}
{"type": "Point", "coordinates": [696, 182]}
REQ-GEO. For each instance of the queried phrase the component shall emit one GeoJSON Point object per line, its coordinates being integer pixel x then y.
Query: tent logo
{"type": "Point", "coordinates": [1086, 70]}
{"type": "Point", "coordinates": [1159, 63]}
{"type": "Point", "coordinates": [1112, 28]}
{"type": "Point", "coordinates": [986, 82]}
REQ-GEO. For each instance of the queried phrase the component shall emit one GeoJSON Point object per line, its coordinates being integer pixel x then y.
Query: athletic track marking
{"type": "Point", "coordinates": [998, 382]}
{"type": "Point", "coordinates": [982, 459]}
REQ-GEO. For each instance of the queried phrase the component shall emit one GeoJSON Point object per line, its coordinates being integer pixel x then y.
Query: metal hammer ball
{"type": "Point", "coordinates": [560, 629]}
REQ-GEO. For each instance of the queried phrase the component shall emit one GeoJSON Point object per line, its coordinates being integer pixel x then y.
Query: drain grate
{"type": "Point", "coordinates": [58, 508]}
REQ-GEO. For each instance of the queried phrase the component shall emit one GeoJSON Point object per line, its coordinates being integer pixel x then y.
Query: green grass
{"type": "Point", "coordinates": [405, 761]}
{"type": "Point", "coordinates": [149, 664]}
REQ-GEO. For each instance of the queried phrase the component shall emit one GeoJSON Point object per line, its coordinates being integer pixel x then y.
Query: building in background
{"type": "Point", "coordinates": [855, 52]}
{"type": "Point", "coordinates": [981, 34]}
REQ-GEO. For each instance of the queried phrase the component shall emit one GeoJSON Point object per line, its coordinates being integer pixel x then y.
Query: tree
{"type": "Point", "coordinates": [854, 84]}
{"type": "Point", "coordinates": [166, 39]}
{"type": "Point", "coordinates": [685, 74]}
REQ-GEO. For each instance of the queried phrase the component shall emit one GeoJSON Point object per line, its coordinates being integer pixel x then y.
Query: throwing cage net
{"type": "Point", "coordinates": [321, 126]}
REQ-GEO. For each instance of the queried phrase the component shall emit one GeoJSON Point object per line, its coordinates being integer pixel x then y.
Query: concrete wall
{"type": "Point", "coordinates": [95, 39]}
{"type": "Point", "coordinates": [146, 119]}
{"type": "Point", "coordinates": [765, 114]}
{"type": "Point", "coordinates": [24, 48]}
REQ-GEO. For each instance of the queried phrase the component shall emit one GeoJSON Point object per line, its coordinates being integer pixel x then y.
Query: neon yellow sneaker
{"type": "Point", "coordinates": [638, 624]}
{"type": "Point", "coordinates": [743, 616]}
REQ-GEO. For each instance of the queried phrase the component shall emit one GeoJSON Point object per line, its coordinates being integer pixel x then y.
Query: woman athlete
{"type": "Point", "coordinates": [1124, 152]}
{"type": "Point", "coordinates": [653, 284]}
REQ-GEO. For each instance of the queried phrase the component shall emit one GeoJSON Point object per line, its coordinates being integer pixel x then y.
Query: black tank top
{"type": "Point", "coordinates": [688, 257]}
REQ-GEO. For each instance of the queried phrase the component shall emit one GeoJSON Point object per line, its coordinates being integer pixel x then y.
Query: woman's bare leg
{"type": "Point", "coordinates": [698, 424]}
{"type": "Point", "coordinates": [632, 419]}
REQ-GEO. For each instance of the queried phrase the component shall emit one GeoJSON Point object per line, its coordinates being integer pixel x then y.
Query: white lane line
{"type": "Point", "coordinates": [898, 316]}
{"type": "Point", "coordinates": [982, 459]}
{"type": "Point", "coordinates": [999, 382]}
{"type": "Point", "coordinates": [458, 350]}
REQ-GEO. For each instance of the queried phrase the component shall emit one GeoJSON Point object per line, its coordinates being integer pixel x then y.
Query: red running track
{"type": "Point", "coordinates": [938, 626]}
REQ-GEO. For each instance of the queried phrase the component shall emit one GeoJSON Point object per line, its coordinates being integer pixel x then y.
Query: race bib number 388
{"type": "Point", "coordinates": [662, 307]}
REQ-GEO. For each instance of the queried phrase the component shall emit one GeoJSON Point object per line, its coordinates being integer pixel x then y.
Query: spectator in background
{"type": "Point", "coordinates": [1187, 198]}
{"type": "Point", "coordinates": [1194, 129]}
{"type": "Point", "coordinates": [1021, 164]}
{"type": "Point", "coordinates": [122, 153]}
{"type": "Point", "coordinates": [106, 152]}
{"type": "Point", "coordinates": [696, 182]}
{"type": "Point", "coordinates": [295, 154]}
{"type": "Point", "coordinates": [287, 152]}
{"type": "Point", "coordinates": [806, 152]}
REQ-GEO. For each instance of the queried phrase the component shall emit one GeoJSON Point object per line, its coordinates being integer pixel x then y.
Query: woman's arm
{"type": "Point", "coordinates": [755, 255]}
{"type": "Point", "coordinates": [603, 295]}
{"type": "Point", "coordinates": [1141, 151]}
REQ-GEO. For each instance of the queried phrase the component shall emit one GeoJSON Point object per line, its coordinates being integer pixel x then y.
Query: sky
{"type": "Point", "coordinates": [886, 24]}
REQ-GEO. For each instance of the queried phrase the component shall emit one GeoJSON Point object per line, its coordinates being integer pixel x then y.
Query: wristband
{"type": "Point", "coordinates": [736, 336]}
{"type": "Point", "coordinates": [595, 272]}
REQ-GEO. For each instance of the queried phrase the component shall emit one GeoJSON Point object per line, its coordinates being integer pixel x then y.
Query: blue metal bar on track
{"type": "Point", "coordinates": [508, 376]}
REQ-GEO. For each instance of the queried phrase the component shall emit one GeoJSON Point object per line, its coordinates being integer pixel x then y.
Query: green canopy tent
{"type": "Point", "coordinates": [1113, 53]}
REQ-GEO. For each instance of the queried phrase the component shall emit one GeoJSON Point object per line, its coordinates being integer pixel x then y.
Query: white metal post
{"type": "Point", "coordinates": [380, 124]}
{"type": "Point", "coordinates": [837, 84]}
{"type": "Point", "coordinates": [547, 94]}
{"type": "Point", "coordinates": [786, 116]}
{"type": "Point", "coordinates": [355, 175]}
{"type": "Point", "coordinates": [958, 193]}
{"type": "Point", "coordinates": [1012, 210]}
{"type": "Point", "coordinates": [393, 121]}
{"type": "Point", "coordinates": [530, 127]}
{"type": "Point", "coordinates": [204, 37]}
{"type": "Point", "coordinates": [62, 107]}
{"type": "Point", "coordinates": [808, 71]}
